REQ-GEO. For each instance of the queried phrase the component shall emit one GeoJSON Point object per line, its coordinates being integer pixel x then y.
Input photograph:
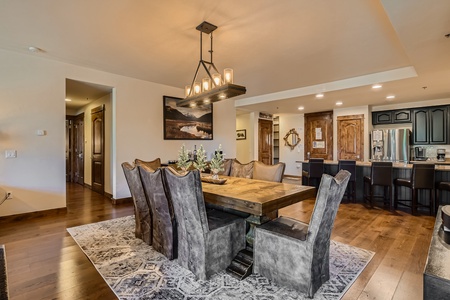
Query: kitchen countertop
{"type": "Point", "coordinates": [439, 166]}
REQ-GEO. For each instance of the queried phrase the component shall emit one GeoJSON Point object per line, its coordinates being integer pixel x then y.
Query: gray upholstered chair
{"type": "Point", "coordinates": [154, 164]}
{"type": "Point", "coordinates": [294, 254]}
{"type": "Point", "coordinates": [262, 171]}
{"type": "Point", "coordinates": [226, 167]}
{"type": "Point", "coordinates": [142, 212]}
{"type": "Point", "coordinates": [207, 242]}
{"type": "Point", "coordinates": [3, 275]}
{"type": "Point", "coordinates": [164, 237]}
{"type": "Point", "coordinates": [241, 170]}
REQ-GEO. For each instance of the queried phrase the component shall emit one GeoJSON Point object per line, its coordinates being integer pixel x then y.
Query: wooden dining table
{"type": "Point", "coordinates": [261, 199]}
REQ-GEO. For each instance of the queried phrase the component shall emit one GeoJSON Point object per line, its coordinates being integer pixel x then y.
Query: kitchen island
{"type": "Point", "coordinates": [400, 170]}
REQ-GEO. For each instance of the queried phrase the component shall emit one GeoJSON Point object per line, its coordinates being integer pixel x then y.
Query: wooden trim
{"type": "Point", "coordinates": [34, 214]}
{"type": "Point", "coordinates": [110, 196]}
{"type": "Point", "coordinates": [121, 200]}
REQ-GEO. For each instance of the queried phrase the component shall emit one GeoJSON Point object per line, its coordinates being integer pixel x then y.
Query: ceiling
{"type": "Point", "coordinates": [284, 52]}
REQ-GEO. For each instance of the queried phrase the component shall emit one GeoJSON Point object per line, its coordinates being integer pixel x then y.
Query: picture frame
{"type": "Point", "coordinates": [186, 123]}
{"type": "Point", "coordinates": [241, 134]}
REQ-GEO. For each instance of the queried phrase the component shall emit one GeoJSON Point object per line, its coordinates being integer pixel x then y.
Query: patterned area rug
{"type": "Point", "coordinates": [134, 270]}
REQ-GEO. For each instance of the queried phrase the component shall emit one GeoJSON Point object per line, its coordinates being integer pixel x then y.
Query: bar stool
{"type": "Point", "coordinates": [441, 186]}
{"type": "Point", "coordinates": [380, 175]}
{"type": "Point", "coordinates": [349, 165]}
{"type": "Point", "coordinates": [422, 178]}
{"type": "Point", "coordinates": [314, 175]}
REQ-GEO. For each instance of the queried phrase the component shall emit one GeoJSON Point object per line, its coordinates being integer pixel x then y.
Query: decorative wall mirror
{"type": "Point", "coordinates": [291, 138]}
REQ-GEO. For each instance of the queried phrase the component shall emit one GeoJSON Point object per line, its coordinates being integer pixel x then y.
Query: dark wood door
{"type": "Point", "coordinates": [98, 149]}
{"type": "Point", "coordinates": [69, 145]}
{"type": "Point", "coordinates": [319, 135]}
{"type": "Point", "coordinates": [350, 135]}
{"type": "Point", "coordinates": [265, 141]}
{"type": "Point", "coordinates": [78, 149]}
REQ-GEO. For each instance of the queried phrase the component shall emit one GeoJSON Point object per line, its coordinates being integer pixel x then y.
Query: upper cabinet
{"type": "Point", "coordinates": [430, 125]}
{"type": "Point", "coordinates": [391, 116]}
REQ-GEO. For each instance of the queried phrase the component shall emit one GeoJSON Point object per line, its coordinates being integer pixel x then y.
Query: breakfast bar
{"type": "Point", "coordinates": [400, 170]}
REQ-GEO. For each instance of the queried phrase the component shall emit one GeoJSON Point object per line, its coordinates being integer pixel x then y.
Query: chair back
{"type": "Point", "coordinates": [226, 167]}
{"type": "Point", "coordinates": [330, 194]}
{"type": "Point", "coordinates": [265, 172]}
{"type": "Point", "coordinates": [241, 170]}
{"type": "Point", "coordinates": [141, 205]}
{"type": "Point", "coordinates": [349, 165]}
{"type": "Point", "coordinates": [3, 275]}
{"type": "Point", "coordinates": [192, 223]}
{"type": "Point", "coordinates": [164, 222]}
{"type": "Point", "coordinates": [315, 167]}
{"type": "Point", "coordinates": [154, 164]}
{"type": "Point", "coordinates": [381, 173]}
{"type": "Point", "coordinates": [422, 176]}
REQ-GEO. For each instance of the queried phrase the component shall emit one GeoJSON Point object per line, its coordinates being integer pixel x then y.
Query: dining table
{"type": "Point", "coordinates": [260, 199]}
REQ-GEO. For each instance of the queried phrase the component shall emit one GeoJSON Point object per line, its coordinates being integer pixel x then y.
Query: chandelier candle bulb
{"type": "Point", "coordinates": [197, 88]}
{"type": "Point", "coordinates": [187, 90]}
{"type": "Point", "coordinates": [217, 79]}
{"type": "Point", "coordinates": [228, 74]}
{"type": "Point", "coordinates": [206, 83]}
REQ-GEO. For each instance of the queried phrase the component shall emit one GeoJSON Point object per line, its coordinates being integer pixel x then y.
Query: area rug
{"type": "Point", "coordinates": [134, 270]}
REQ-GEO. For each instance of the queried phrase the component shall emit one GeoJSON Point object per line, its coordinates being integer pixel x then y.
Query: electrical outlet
{"type": "Point", "coordinates": [9, 195]}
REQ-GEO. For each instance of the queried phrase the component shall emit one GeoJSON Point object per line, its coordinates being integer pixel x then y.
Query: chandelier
{"type": "Point", "coordinates": [212, 88]}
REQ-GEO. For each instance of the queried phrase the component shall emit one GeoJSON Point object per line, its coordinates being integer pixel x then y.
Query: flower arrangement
{"type": "Point", "coordinates": [183, 159]}
{"type": "Point", "coordinates": [216, 164]}
{"type": "Point", "coordinates": [200, 163]}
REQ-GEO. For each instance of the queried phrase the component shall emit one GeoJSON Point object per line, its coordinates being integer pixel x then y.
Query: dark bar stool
{"type": "Point", "coordinates": [422, 178]}
{"type": "Point", "coordinates": [380, 175]}
{"type": "Point", "coordinates": [441, 186]}
{"type": "Point", "coordinates": [314, 175]}
{"type": "Point", "coordinates": [349, 165]}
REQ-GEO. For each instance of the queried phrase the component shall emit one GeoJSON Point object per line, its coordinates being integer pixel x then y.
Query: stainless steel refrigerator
{"type": "Point", "coordinates": [391, 145]}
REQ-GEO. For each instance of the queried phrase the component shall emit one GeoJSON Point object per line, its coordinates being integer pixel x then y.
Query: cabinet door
{"type": "Point", "coordinates": [420, 126]}
{"type": "Point", "coordinates": [401, 116]}
{"type": "Point", "coordinates": [381, 117]}
{"type": "Point", "coordinates": [438, 125]}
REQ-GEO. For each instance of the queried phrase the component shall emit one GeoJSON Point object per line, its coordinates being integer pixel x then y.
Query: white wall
{"type": "Point", "coordinates": [288, 156]}
{"type": "Point", "coordinates": [244, 148]}
{"type": "Point", "coordinates": [32, 93]}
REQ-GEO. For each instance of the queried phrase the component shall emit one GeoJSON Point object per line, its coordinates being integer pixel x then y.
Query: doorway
{"type": "Point", "coordinates": [319, 135]}
{"type": "Point", "coordinates": [86, 165]}
{"type": "Point", "coordinates": [75, 149]}
{"type": "Point", "coordinates": [265, 141]}
{"type": "Point", "coordinates": [350, 143]}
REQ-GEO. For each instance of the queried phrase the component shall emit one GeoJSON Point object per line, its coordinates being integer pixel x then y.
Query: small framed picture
{"type": "Point", "coordinates": [241, 134]}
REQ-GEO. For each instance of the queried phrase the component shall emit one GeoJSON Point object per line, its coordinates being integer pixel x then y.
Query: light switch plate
{"type": "Point", "coordinates": [10, 153]}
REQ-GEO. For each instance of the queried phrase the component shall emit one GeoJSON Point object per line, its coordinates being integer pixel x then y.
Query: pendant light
{"type": "Point", "coordinates": [213, 87]}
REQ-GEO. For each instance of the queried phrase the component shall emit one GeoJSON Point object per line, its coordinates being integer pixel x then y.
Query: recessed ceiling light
{"type": "Point", "coordinates": [339, 103]}
{"type": "Point", "coordinates": [301, 108]}
{"type": "Point", "coordinates": [34, 49]}
{"type": "Point", "coordinates": [68, 100]}
{"type": "Point", "coordinates": [376, 86]}
{"type": "Point", "coordinates": [319, 95]}
{"type": "Point", "coordinates": [390, 97]}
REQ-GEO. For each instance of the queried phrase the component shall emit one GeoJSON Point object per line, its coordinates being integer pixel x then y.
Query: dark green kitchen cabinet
{"type": "Point", "coordinates": [430, 125]}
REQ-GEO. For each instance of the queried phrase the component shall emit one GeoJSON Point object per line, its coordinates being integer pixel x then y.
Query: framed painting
{"type": "Point", "coordinates": [187, 123]}
{"type": "Point", "coordinates": [241, 134]}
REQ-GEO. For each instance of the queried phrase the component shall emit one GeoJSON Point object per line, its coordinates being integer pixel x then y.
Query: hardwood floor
{"type": "Point", "coordinates": [44, 262]}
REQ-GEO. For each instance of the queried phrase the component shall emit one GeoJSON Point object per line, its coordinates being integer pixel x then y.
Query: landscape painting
{"type": "Point", "coordinates": [187, 123]}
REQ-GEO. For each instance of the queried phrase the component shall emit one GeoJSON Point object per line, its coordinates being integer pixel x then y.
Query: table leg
{"type": "Point", "coordinates": [254, 221]}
